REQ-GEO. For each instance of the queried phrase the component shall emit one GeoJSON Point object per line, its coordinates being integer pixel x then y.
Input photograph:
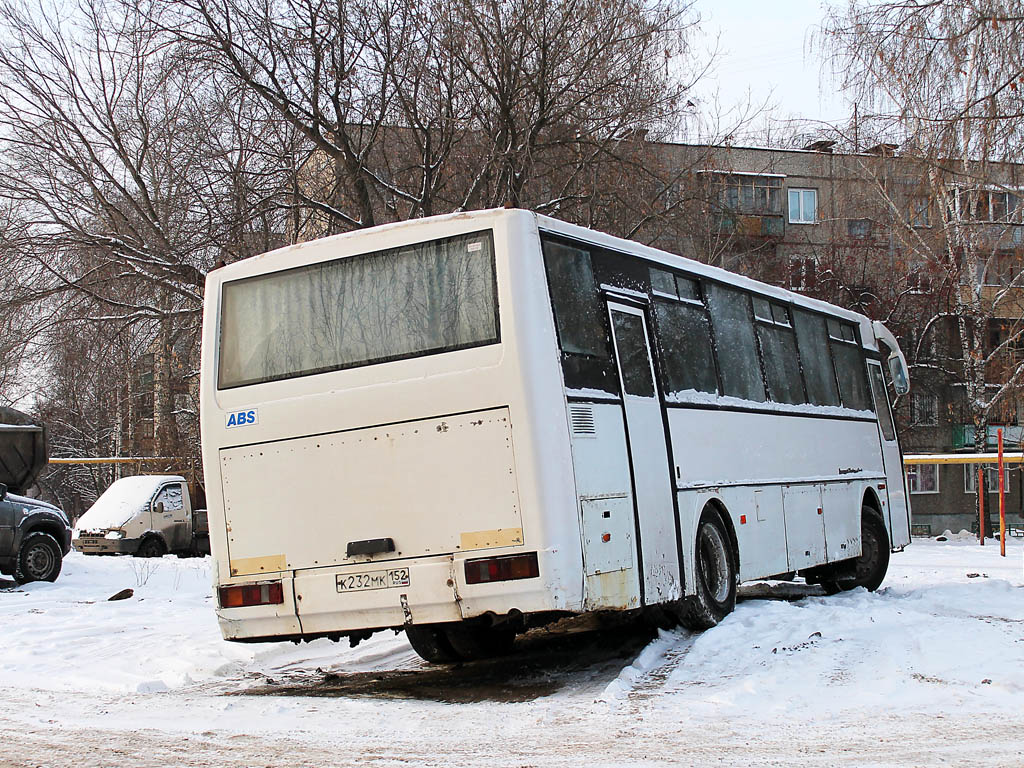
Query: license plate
{"type": "Point", "coordinates": [355, 582]}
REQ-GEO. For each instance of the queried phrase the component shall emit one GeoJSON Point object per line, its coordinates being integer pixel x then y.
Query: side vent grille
{"type": "Point", "coordinates": [581, 421]}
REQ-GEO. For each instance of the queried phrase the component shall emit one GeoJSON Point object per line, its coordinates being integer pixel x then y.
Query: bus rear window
{"type": "Point", "coordinates": [405, 302]}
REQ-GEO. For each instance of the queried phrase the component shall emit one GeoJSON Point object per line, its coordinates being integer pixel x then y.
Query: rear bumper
{"type": "Point", "coordinates": [97, 545]}
{"type": "Point", "coordinates": [436, 592]}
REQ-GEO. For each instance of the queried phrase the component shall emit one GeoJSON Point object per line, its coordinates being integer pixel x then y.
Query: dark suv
{"type": "Point", "coordinates": [34, 537]}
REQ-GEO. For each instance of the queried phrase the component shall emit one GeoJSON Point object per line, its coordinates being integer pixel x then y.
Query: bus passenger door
{"type": "Point", "coordinates": [648, 455]}
{"type": "Point", "coordinates": [895, 512]}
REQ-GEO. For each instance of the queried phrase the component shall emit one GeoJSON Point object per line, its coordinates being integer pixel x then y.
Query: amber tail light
{"type": "Point", "coordinates": [505, 568]}
{"type": "Point", "coordinates": [240, 595]}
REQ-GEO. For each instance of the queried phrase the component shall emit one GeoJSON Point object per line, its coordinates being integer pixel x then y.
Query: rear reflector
{"type": "Point", "coordinates": [251, 594]}
{"type": "Point", "coordinates": [506, 568]}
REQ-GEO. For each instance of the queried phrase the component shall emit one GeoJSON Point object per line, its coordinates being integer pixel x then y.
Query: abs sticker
{"type": "Point", "coordinates": [242, 418]}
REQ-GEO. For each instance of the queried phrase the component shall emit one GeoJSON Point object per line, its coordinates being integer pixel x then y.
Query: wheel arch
{"type": "Point", "coordinates": [152, 533]}
{"type": "Point", "coordinates": [723, 512]}
{"type": "Point", "coordinates": [33, 524]}
{"type": "Point", "coordinates": [871, 500]}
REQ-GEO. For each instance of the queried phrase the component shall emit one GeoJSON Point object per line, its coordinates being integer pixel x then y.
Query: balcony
{"type": "Point", "coordinates": [752, 225]}
{"type": "Point", "coordinates": [963, 437]}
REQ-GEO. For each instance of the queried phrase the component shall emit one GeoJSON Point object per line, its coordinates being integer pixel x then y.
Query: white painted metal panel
{"type": "Point", "coordinates": [757, 517]}
{"type": "Point", "coordinates": [423, 483]}
{"type": "Point", "coordinates": [805, 526]}
{"type": "Point", "coordinates": [841, 503]}
{"type": "Point", "coordinates": [600, 460]}
{"type": "Point", "coordinates": [721, 447]}
{"type": "Point", "coordinates": [608, 543]}
{"type": "Point", "coordinates": [612, 580]}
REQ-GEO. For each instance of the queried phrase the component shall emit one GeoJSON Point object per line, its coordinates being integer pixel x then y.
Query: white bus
{"type": "Point", "coordinates": [467, 425]}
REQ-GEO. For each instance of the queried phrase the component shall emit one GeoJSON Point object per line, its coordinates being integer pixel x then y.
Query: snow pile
{"type": "Point", "coordinates": [121, 501]}
{"type": "Point", "coordinates": [928, 670]}
{"type": "Point", "coordinates": [66, 636]}
{"type": "Point", "coordinates": [963, 535]}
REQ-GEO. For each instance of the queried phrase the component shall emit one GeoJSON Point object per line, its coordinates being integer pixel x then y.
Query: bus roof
{"type": "Point", "coordinates": [549, 224]}
{"type": "Point", "coordinates": [405, 232]}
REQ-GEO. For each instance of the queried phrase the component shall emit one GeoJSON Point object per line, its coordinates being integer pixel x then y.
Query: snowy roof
{"type": "Point", "coordinates": [122, 501]}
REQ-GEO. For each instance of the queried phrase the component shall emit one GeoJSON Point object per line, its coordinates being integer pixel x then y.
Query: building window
{"type": "Point", "coordinates": [999, 269]}
{"type": "Point", "coordinates": [987, 205]}
{"type": "Point", "coordinates": [750, 193]}
{"type": "Point", "coordinates": [802, 274]}
{"type": "Point", "coordinates": [924, 409]}
{"type": "Point", "coordinates": [919, 281]}
{"type": "Point", "coordinates": [859, 229]}
{"type": "Point", "coordinates": [921, 344]}
{"type": "Point", "coordinates": [923, 478]}
{"type": "Point", "coordinates": [971, 479]}
{"type": "Point", "coordinates": [918, 213]}
{"type": "Point", "coordinates": [803, 206]}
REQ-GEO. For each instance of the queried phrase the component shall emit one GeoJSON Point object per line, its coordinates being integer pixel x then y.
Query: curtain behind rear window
{"type": "Point", "coordinates": [405, 302]}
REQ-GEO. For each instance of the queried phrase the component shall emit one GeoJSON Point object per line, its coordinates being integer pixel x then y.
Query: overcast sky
{"type": "Point", "coordinates": [765, 48]}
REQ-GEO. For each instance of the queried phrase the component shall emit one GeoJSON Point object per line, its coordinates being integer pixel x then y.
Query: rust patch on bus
{"type": "Point", "coordinates": [250, 565]}
{"type": "Point", "coordinates": [500, 537]}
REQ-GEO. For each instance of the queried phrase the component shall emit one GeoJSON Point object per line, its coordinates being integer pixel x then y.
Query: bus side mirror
{"type": "Point", "coordinates": [898, 372]}
{"type": "Point", "coordinates": [3, 491]}
{"type": "Point", "coordinates": [897, 362]}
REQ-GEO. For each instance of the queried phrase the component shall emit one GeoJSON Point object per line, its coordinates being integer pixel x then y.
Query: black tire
{"type": "Point", "coordinates": [870, 568]}
{"type": "Point", "coordinates": [475, 641]}
{"type": "Point", "coordinates": [151, 546]}
{"type": "Point", "coordinates": [715, 570]}
{"type": "Point", "coordinates": [431, 643]}
{"type": "Point", "coordinates": [39, 559]}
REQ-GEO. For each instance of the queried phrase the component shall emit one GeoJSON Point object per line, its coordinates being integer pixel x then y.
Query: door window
{"type": "Point", "coordinates": [634, 361]}
{"type": "Point", "coordinates": [171, 497]}
{"type": "Point", "coordinates": [881, 403]}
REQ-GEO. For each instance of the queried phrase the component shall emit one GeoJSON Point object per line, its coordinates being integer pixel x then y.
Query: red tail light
{"type": "Point", "coordinates": [241, 595]}
{"type": "Point", "coordinates": [505, 568]}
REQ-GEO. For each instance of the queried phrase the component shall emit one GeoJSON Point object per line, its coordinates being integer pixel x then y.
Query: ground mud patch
{"type": "Point", "coordinates": [545, 662]}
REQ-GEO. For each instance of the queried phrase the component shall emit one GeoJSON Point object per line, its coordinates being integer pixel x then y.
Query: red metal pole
{"type": "Point", "coordinates": [1002, 498]}
{"type": "Point", "coordinates": [981, 505]}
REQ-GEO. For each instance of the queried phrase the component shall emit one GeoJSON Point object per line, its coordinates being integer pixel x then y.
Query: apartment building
{"type": "Point", "coordinates": [934, 253]}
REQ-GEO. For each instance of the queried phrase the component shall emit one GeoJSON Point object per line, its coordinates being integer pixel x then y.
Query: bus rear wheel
{"type": "Point", "coordinates": [477, 641]}
{"type": "Point", "coordinates": [715, 570]}
{"type": "Point", "coordinates": [870, 568]}
{"type": "Point", "coordinates": [431, 643]}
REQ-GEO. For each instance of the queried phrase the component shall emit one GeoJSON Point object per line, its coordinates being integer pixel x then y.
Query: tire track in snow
{"type": "Point", "coordinates": [645, 678]}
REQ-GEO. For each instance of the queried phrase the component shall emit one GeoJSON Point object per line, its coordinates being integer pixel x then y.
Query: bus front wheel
{"type": "Point", "coordinates": [715, 570]}
{"type": "Point", "coordinates": [870, 568]}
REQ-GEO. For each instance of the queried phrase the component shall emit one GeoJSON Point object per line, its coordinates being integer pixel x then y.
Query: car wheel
{"type": "Point", "coordinates": [716, 575]}
{"type": "Point", "coordinates": [39, 559]}
{"type": "Point", "coordinates": [151, 546]}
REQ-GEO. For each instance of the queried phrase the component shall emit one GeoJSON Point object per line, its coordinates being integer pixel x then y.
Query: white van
{"type": "Point", "coordinates": [147, 516]}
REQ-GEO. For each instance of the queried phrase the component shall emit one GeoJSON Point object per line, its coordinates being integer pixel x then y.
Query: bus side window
{"type": "Point", "coordinates": [735, 343]}
{"type": "Point", "coordinates": [778, 348]}
{"type": "Point", "coordinates": [684, 338]}
{"type": "Point", "coordinates": [815, 357]}
{"type": "Point", "coordinates": [853, 385]}
{"type": "Point", "coordinates": [578, 313]}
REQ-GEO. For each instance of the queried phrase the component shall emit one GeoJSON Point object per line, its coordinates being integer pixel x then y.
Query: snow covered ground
{"type": "Point", "coordinates": [927, 671]}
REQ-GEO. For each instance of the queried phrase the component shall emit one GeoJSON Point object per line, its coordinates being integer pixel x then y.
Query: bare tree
{"type": "Point", "coordinates": [409, 110]}
{"type": "Point", "coordinates": [948, 74]}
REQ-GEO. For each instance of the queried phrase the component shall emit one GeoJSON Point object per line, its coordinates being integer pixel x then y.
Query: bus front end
{"type": "Point", "coordinates": [372, 405]}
